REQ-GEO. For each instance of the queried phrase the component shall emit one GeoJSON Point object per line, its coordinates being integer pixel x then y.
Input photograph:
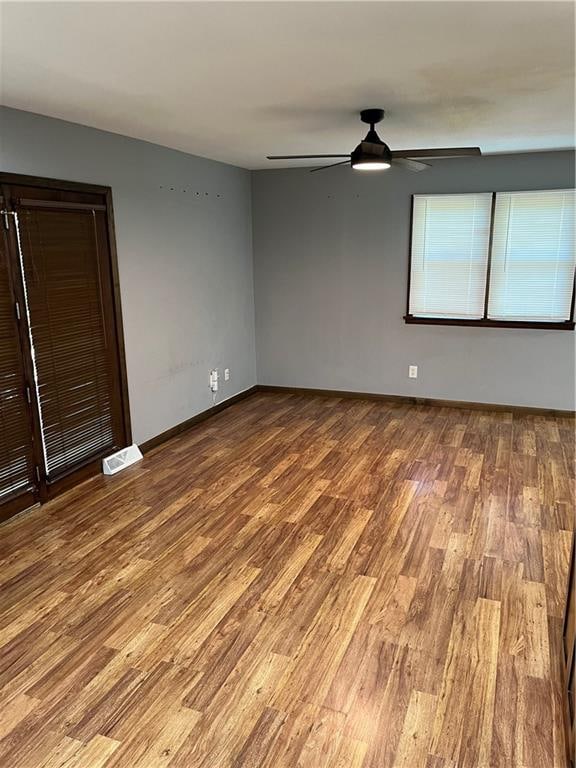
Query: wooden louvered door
{"type": "Point", "coordinates": [72, 331]}
{"type": "Point", "coordinates": [18, 480]}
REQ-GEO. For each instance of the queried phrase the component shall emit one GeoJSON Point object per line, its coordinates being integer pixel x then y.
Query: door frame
{"type": "Point", "coordinates": [46, 491]}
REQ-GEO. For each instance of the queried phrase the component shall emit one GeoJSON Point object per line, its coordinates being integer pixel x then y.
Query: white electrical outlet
{"type": "Point", "coordinates": [214, 380]}
{"type": "Point", "coordinates": [226, 374]}
{"type": "Point", "coordinates": [412, 371]}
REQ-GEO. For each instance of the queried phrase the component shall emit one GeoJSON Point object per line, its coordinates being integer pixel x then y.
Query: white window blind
{"type": "Point", "coordinates": [450, 242]}
{"type": "Point", "coordinates": [533, 257]}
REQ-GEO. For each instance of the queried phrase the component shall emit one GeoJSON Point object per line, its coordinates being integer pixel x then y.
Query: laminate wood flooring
{"type": "Point", "coordinates": [298, 582]}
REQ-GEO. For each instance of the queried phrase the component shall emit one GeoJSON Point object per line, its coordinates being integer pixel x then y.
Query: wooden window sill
{"type": "Point", "coordinates": [567, 325]}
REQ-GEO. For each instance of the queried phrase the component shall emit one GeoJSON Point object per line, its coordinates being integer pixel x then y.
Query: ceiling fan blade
{"type": "Point", "coordinates": [442, 152]}
{"type": "Point", "coordinates": [300, 157]}
{"type": "Point", "coordinates": [332, 165]}
{"type": "Point", "coordinates": [411, 165]}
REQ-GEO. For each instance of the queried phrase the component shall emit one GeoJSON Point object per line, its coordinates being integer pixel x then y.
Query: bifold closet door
{"type": "Point", "coordinates": [17, 468]}
{"type": "Point", "coordinates": [65, 260]}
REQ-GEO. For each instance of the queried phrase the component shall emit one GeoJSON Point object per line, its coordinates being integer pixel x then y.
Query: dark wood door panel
{"type": "Point", "coordinates": [570, 659]}
{"type": "Point", "coordinates": [17, 467]}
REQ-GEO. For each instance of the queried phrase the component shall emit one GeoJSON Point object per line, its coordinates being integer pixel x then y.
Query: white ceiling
{"type": "Point", "coordinates": [236, 81]}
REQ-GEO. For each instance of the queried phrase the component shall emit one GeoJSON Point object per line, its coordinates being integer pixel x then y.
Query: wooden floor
{"type": "Point", "coordinates": [299, 582]}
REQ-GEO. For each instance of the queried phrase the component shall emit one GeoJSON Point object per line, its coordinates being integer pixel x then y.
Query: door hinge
{"type": "Point", "coordinates": [5, 215]}
{"type": "Point", "coordinates": [37, 468]}
{"type": "Point", "coordinates": [28, 394]}
{"type": "Point", "coordinates": [17, 309]}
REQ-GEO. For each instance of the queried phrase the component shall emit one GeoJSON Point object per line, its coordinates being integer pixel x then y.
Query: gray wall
{"type": "Point", "coordinates": [185, 259]}
{"type": "Point", "coordinates": [331, 261]}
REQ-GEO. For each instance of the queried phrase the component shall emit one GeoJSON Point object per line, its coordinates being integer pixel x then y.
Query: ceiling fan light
{"type": "Point", "coordinates": [370, 165]}
{"type": "Point", "coordinates": [371, 156]}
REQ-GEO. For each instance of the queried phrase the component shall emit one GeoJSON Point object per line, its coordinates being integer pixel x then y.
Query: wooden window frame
{"type": "Point", "coordinates": [484, 322]}
{"type": "Point", "coordinates": [91, 466]}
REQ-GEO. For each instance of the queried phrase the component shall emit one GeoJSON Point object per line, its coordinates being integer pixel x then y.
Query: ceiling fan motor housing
{"type": "Point", "coordinates": [370, 152]}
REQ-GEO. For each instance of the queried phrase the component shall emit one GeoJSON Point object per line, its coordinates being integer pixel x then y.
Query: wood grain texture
{"type": "Point", "coordinates": [298, 582]}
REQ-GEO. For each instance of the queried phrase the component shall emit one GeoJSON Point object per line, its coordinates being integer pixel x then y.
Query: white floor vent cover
{"type": "Point", "coordinates": [121, 459]}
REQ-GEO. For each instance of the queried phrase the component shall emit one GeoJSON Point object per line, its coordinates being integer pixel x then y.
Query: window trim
{"type": "Point", "coordinates": [484, 322]}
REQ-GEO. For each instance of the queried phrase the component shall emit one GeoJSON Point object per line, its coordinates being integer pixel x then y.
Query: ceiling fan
{"type": "Point", "coordinates": [372, 154]}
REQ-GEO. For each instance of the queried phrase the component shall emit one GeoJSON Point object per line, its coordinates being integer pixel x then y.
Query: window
{"type": "Point", "coordinates": [501, 259]}
{"type": "Point", "coordinates": [450, 239]}
{"type": "Point", "coordinates": [532, 270]}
